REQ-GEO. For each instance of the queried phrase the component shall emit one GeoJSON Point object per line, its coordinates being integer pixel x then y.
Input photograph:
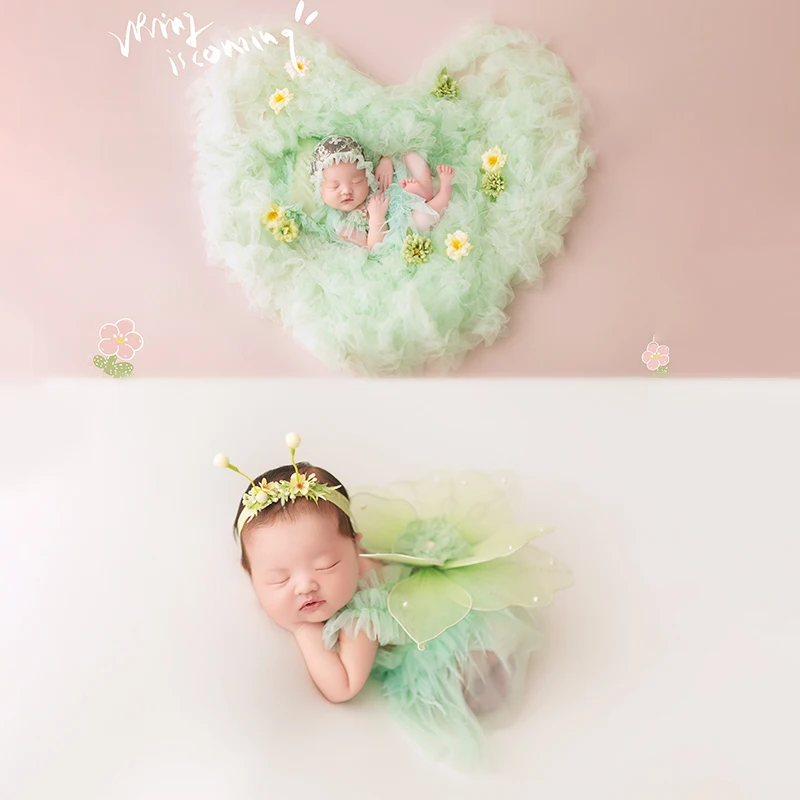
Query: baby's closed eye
{"type": "Point", "coordinates": [324, 569]}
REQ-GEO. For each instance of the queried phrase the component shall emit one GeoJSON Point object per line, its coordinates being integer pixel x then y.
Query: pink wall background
{"type": "Point", "coordinates": [686, 234]}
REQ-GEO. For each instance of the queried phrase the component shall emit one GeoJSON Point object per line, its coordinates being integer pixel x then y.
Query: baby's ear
{"type": "Point", "coordinates": [358, 538]}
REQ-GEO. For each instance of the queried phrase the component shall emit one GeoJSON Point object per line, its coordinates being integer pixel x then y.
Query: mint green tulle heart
{"type": "Point", "coordinates": [370, 312]}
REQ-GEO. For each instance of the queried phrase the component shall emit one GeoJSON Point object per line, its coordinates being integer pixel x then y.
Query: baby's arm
{"type": "Point", "coordinates": [378, 207]}
{"type": "Point", "coordinates": [384, 172]}
{"type": "Point", "coordinates": [339, 676]}
{"type": "Point", "coordinates": [356, 236]}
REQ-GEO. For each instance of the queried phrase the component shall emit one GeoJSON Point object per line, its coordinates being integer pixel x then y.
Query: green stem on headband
{"type": "Point", "coordinates": [236, 469]}
{"type": "Point", "coordinates": [296, 471]}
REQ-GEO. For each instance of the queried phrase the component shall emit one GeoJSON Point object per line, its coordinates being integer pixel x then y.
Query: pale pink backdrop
{"type": "Point", "coordinates": [689, 232]}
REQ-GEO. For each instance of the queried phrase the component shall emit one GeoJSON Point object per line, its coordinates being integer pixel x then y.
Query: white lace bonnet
{"type": "Point", "coordinates": [335, 150]}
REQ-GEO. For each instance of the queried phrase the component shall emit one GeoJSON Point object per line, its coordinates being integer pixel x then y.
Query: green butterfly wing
{"type": "Point", "coordinates": [499, 545]}
{"type": "Point", "coordinates": [528, 578]}
{"type": "Point", "coordinates": [401, 558]}
{"type": "Point", "coordinates": [474, 502]}
{"type": "Point", "coordinates": [428, 603]}
{"type": "Point", "coordinates": [380, 520]}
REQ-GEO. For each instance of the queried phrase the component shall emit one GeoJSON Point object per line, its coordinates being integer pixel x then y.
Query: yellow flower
{"type": "Point", "coordinates": [287, 231]}
{"type": "Point", "coordinates": [280, 99]}
{"type": "Point", "coordinates": [494, 160]}
{"type": "Point", "coordinates": [457, 245]}
{"type": "Point", "coordinates": [300, 484]}
{"type": "Point", "coordinates": [273, 216]}
{"type": "Point", "coordinates": [300, 68]}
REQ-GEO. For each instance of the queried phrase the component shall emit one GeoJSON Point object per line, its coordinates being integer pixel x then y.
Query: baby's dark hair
{"type": "Point", "coordinates": [266, 516]}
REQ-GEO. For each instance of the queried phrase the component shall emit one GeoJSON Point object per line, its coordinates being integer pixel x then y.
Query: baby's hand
{"type": "Point", "coordinates": [384, 172]}
{"type": "Point", "coordinates": [377, 207]}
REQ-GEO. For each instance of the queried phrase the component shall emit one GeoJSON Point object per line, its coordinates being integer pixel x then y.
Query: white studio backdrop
{"type": "Point", "coordinates": [135, 663]}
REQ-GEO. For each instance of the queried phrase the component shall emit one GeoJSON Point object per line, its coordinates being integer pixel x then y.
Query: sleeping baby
{"type": "Point", "coordinates": [366, 207]}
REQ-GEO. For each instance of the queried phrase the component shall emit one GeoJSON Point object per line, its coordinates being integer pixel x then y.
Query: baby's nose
{"type": "Point", "coordinates": [306, 586]}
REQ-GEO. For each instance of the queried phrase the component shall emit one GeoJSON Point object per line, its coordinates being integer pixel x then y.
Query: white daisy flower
{"type": "Point", "coordinates": [300, 68]}
{"type": "Point", "coordinates": [457, 245]}
{"type": "Point", "coordinates": [494, 160]}
{"type": "Point", "coordinates": [280, 99]}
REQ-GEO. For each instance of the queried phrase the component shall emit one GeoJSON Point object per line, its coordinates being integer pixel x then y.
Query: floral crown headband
{"type": "Point", "coordinates": [334, 150]}
{"type": "Point", "coordinates": [264, 494]}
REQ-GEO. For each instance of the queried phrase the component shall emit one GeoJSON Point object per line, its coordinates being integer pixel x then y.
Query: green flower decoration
{"type": "Point", "coordinates": [446, 87]}
{"type": "Point", "coordinates": [287, 230]}
{"type": "Point", "coordinates": [474, 558]}
{"type": "Point", "coordinates": [493, 185]}
{"type": "Point", "coordinates": [416, 249]}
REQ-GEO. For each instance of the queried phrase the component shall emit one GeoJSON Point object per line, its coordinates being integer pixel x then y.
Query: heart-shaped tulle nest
{"type": "Point", "coordinates": [371, 312]}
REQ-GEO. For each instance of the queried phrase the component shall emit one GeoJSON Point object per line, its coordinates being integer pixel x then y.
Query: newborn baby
{"type": "Point", "coordinates": [366, 208]}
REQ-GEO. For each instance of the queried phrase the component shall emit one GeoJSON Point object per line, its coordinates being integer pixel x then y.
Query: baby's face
{"type": "Point", "coordinates": [343, 186]}
{"type": "Point", "coordinates": [302, 568]}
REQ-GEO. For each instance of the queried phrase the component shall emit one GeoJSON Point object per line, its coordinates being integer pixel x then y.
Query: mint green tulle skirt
{"type": "Point", "coordinates": [427, 689]}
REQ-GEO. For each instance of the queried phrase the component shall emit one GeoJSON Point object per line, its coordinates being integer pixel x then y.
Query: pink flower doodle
{"type": "Point", "coordinates": [120, 340]}
{"type": "Point", "coordinates": [656, 355]}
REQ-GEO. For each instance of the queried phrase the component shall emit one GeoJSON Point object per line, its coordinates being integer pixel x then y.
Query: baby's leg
{"type": "Point", "coordinates": [486, 682]}
{"type": "Point", "coordinates": [422, 221]}
{"type": "Point", "coordinates": [441, 199]}
{"type": "Point", "coordinates": [421, 181]}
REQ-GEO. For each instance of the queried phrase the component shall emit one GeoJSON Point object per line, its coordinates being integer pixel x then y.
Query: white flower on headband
{"type": "Point", "coordinates": [302, 483]}
{"type": "Point", "coordinates": [265, 493]}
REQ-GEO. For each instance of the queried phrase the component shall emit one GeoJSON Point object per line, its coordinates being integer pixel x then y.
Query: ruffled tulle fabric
{"type": "Point", "coordinates": [367, 312]}
{"type": "Point", "coordinates": [368, 610]}
{"type": "Point", "coordinates": [425, 689]}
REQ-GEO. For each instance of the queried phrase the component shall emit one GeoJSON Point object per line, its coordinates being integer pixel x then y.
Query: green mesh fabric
{"type": "Point", "coordinates": [366, 311]}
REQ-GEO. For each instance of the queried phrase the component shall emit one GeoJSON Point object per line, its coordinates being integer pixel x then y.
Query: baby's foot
{"type": "Point", "coordinates": [413, 186]}
{"type": "Point", "coordinates": [446, 175]}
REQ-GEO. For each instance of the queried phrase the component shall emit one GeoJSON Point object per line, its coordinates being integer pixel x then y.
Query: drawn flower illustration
{"type": "Point", "coordinates": [112, 367]}
{"type": "Point", "coordinates": [300, 67]}
{"type": "Point", "coordinates": [656, 355]}
{"type": "Point", "coordinates": [120, 340]}
{"type": "Point", "coordinates": [457, 245]}
{"type": "Point", "coordinates": [280, 99]}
